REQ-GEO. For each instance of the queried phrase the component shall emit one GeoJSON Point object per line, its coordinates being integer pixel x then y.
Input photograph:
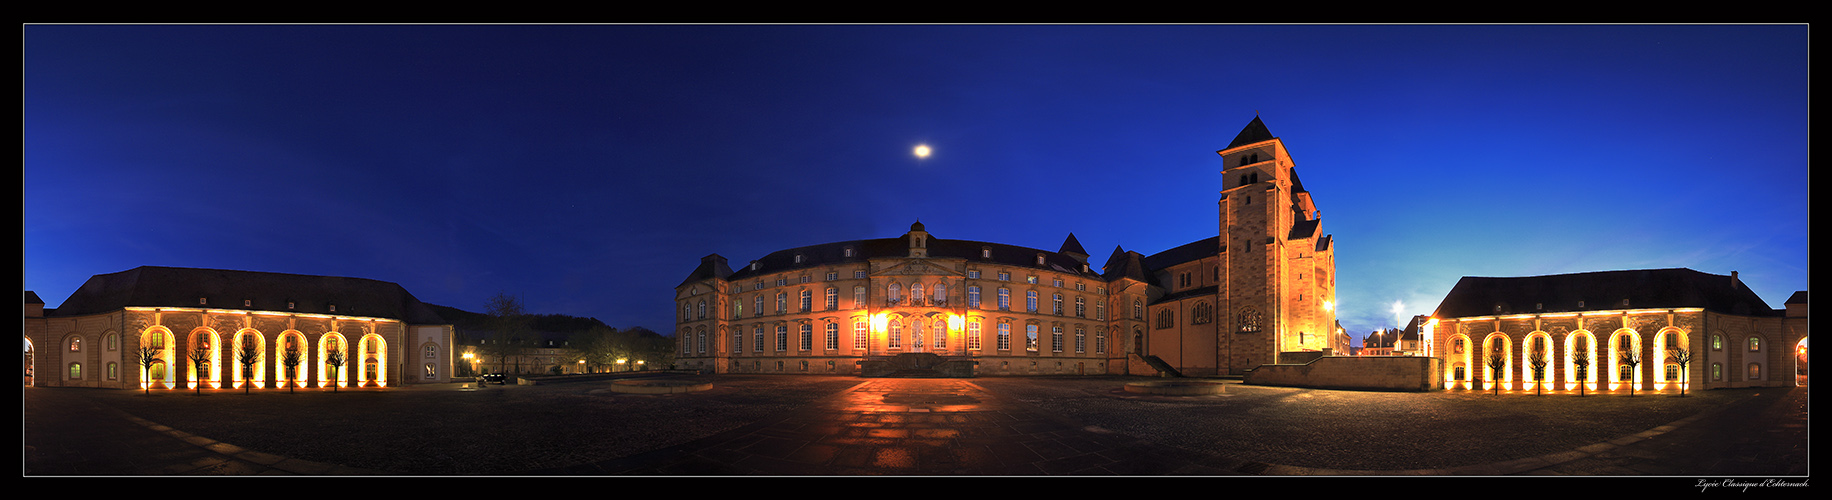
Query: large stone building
{"type": "Point", "coordinates": [95, 338]}
{"type": "Point", "coordinates": [1615, 330]}
{"type": "Point", "coordinates": [1260, 291]}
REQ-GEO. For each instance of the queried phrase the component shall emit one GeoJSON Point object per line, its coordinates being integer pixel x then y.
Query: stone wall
{"type": "Point", "coordinates": [1379, 373]}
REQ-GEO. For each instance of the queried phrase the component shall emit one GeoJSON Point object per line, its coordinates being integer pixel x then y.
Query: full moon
{"type": "Point", "coordinates": [922, 151]}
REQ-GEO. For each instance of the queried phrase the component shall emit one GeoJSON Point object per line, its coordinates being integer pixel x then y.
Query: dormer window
{"type": "Point", "coordinates": [985, 252]}
{"type": "Point", "coordinates": [798, 258]}
{"type": "Point", "coordinates": [848, 251]}
{"type": "Point", "coordinates": [203, 301]}
{"type": "Point", "coordinates": [333, 307]}
{"type": "Point", "coordinates": [247, 303]}
{"type": "Point", "coordinates": [1039, 259]}
{"type": "Point", "coordinates": [754, 265]}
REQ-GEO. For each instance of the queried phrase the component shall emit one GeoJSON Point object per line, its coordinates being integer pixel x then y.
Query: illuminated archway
{"type": "Point", "coordinates": [249, 342]}
{"type": "Point", "coordinates": [30, 359]}
{"type": "Point", "coordinates": [206, 373]}
{"type": "Point", "coordinates": [291, 349]}
{"type": "Point", "coordinates": [1624, 344]}
{"type": "Point", "coordinates": [1537, 345]}
{"type": "Point", "coordinates": [1497, 346]}
{"type": "Point", "coordinates": [1581, 344]}
{"type": "Point", "coordinates": [372, 361]}
{"type": "Point", "coordinates": [1669, 343]}
{"type": "Point", "coordinates": [1800, 362]}
{"type": "Point", "coordinates": [1459, 357]}
{"type": "Point", "coordinates": [330, 345]}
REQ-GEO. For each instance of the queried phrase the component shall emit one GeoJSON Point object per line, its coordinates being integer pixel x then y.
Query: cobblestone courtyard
{"type": "Point", "coordinates": [796, 425]}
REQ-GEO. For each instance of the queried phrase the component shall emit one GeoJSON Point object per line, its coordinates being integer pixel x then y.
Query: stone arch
{"type": "Point", "coordinates": [245, 339]}
{"type": "Point", "coordinates": [1669, 342]}
{"type": "Point", "coordinates": [1800, 362]}
{"type": "Point", "coordinates": [1458, 349]}
{"type": "Point", "coordinates": [430, 370]}
{"type": "Point", "coordinates": [160, 344]}
{"type": "Point", "coordinates": [1624, 344]}
{"type": "Point", "coordinates": [1537, 343]}
{"type": "Point", "coordinates": [209, 373]}
{"type": "Point", "coordinates": [372, 361]}
{"type": "Point", "coordinates": [1581, 348]}
{"type": "Point", "coordinates": [29, 362]}
{"type": "Point", "coordinates": [292, 347]}
{"type": "Point", "coordinates": [332, 345]}
{"type": "Point", "coordinates": [1497, 345]}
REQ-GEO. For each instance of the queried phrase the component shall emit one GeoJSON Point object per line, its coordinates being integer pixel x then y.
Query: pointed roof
{"type": "Point", "coordinates": [1072, 246]}
{"type": "Point", "coordinates": [711, 266]}
{"type": "Point", "coordinates": [1255, 132]}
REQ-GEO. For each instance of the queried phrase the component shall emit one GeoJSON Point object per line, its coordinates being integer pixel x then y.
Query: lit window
{"type": "Point", "coordinates": [1030, 301]}
{"type": "Point", "coordinates": [858, 297]}
{"type": "Point", "coordinates": [1004, 299]}
{"type": "Point", "coordinates": [861, 335]}
{"type": "Point", "coordinates": [76, 344]}
{"type": "Point", "coordinates": [973, 275]}
{"type": "Point", "coordinates": [1055, 339]}
{"type": "Point", "coordinates": [1004, 337]}
{"type": "Point", "coordinates": [807, 300]}
{"type": "Point", "coordinates": [807, 337]}
{"type": "Point", "coordinates": [1030, 338]}
{"type": "Point", "coordinates": [833, 298]}
{"type": "Point", "coordinates": [1755, 344]}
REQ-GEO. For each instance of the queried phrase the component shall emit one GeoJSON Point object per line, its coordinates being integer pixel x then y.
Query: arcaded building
{"type": "Point", "coordinates": [196, 327]}
{"type": "Point", "coordinates": [1645, 330]}
{"type": "Point", "coordinates": [1260, 291]}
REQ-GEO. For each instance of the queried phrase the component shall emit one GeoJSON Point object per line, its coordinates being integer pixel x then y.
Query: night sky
{"type": "Point", "coordinates": [586, 169]}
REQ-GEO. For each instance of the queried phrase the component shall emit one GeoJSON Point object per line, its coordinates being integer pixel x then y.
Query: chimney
{"type": "Point", "coordinates": [1733, 280]}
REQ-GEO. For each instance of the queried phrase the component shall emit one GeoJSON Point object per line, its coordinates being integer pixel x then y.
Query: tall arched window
{"type": "Point", "coordinates": [893, 293]}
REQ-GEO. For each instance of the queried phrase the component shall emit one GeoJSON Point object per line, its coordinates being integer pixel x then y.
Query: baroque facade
{"type": "Point", "coordinates": [195, 327]}
{"type": "Point", "coordinates": [1260, 291]}
{"type": "Point", "coordinates": [1615, 331]}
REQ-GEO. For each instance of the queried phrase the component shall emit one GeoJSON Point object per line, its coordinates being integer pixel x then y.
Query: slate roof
{"type": "Point", "coordinates": [153, 286]}
{"type": "Point", "coordinates": [1255, 132]}
{"type": "Point", "coordinates": [1604, 290]}
{"type": "Point", "coordinates": [1206, 247]}
{"type": "Point", "coordinates": [835, 253]}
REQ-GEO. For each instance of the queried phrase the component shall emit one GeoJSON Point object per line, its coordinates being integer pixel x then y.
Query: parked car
{"type": "Point", "coordinates": [492, 378]}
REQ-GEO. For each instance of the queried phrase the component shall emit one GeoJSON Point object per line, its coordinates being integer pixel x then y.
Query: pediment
{"type": "Point", "coordinates": [918, 267]}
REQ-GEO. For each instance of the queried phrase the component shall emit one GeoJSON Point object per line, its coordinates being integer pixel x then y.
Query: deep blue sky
{"type": "Point", "coordinates": [586, 169]}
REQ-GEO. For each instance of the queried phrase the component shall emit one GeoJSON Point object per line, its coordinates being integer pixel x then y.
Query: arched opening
{"type": "Point", "coordinates": [1581, 361]}
{"type": "Point", "coordinates": [1497, 362]}
{"type": "Point", "coordinates": [1800, 363]}
{"type": "Point", "coordinates": [333, 362]}
{"type": "Point", "coordinates": [1625, 360]}
{"type": "Point", "coordinates": [1673, 357]}
{"type": "Point", "coordinates": [29, 359]}
{"type": "Point", "coordinates": [204, 355]}
{"type": "Point", "coordinates": [155, 358]}
{"type": "Point", "coordinates": [250, 359]}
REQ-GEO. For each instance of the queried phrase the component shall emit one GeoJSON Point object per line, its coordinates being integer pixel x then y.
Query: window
{"type": "Point", "coordinates": [985, 252]}
{"type": "Point", "coordinates": [941, 294]}
{"type": "Point", "coordinates": [1100, 341]}
{"type": "Point", "coordinates": [893, 294]}
{"type": "Point", "coordinates": [431, 373]}
{"type": "Point", "coordinates": [1456, 347]}
{"type": "Point", "coordinates": [1004, 276]}
{"type": "Point", "coordinates": [833, 336]}
{"type": "Point", "coordinates": [1138, 309]}
{"type": "Point", "coordinates": [757, 346]}
{"type": "Point", "coordinates": [807, 300]}
{"type": "Point", "coordinates": [113, 342]}
{"type": "Point", "coordinates": [702, 310]}
{"type": "Point", "coordinates": [1004, 299]}
{"type": "Point", "coordinates": [1055, 339]}
{"type": "Point", "coordinates": [807, 337]}
{"type": "Point", "coordinates": [973, 335]}
{"type": "Point", "coordinates": [1056, 304]}
{"type": "Point", "coordinates": [782, 338]}
{"type": "Point", "coordinates": [1030, 338]}
{"type": "Point", "coordinates": [1004, 337]}
{"type": "Point", "coordinates": [861, 335]}
{"type": "Point", "coordinates": [895, 339]}
{"type": "Point", "coordinates": [848, 251]}
{"type": "Point", "coordinates": [76, 344]}
{"type": "Point", "coordinates": [1056, 281]}
{"type": "Point", "coordinates": [1081, 308]}
{"type": "Point", "coordinates": [738, 340]}
{"type": "Point", "coordinates": [805, 279]}
{"type": "Point", "coordinates": [1755, 344]}
{"type": "Point", "coordinates": [833, 276]}
{"type": "Point", "coordinates": [738, 308]}
{"type": "Point", "coordinates": [973, 275]}
{"type": "Point", "coordinates": [76, 371]}
{"type": "Point", "coordinates": [1717, 342]}
{"type": "Point", "coordinates": [1755, 371]}
{"type": "Point", "coordinates": [1249, 320]}
{"type": "Point", "coordinates": [915, 294]}
{"type": "Point", "coordinates": [1717, 371]}
{"type": "Point", "coordinates": [1202, 313]}
{"type": "Point", "coordinates": [973, 297]}
{"type": "Point", "coordinates": [858, 274]}
{"type": "Point", "coordinates": [1100, 310]}
{"type": "Point", "coordinates": [1166, 318]}
{"type": "Point", "coordinates": [1030, 301]}
{"type": "Point", "coordinates": [113, 371]}
{"type": "Point", "coordinates": [432, 351]}
{"type": "Point", "coordinates": [858, 297]}
{"type": "Point", "coordinates": [833, 298]}
{"type": "Point", "coordinates": [782, 302]}
{"type": "Point", "coordinates": [1030, 279]}
{"type": "Point", "coordinates": [759, 311]}
{"type": "Point", "coordinates": [782, 282]}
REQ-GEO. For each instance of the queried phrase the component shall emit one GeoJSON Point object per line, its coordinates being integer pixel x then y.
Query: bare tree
{"type": "Point", "coordinates": [149, 356]}
{"type": "Point", "coordinates": [1538, 361]}
{"type": "Point", "coordinates": [247, 354]}
{"type": "Point", "coordinates": [1632, 359]}
{"type": "Point", "coordinates": [334, 357]}
{"type": "Point", "coordinates": [1682, 357]}
{"type": "Point", "coordinates": [292, 358]}
{"type": "Point", "coordinates": [1581, 358]}
{"type": "Point", "coordinates": [200, 364]}
{"type": "Point", "coordinates": [510, 330]}
{"type": "Point", "coordinates": [1497, 361]}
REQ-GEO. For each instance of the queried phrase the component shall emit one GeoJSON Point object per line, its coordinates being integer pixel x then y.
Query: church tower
{"type": "Point", "coordinates": [1278, 268]}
